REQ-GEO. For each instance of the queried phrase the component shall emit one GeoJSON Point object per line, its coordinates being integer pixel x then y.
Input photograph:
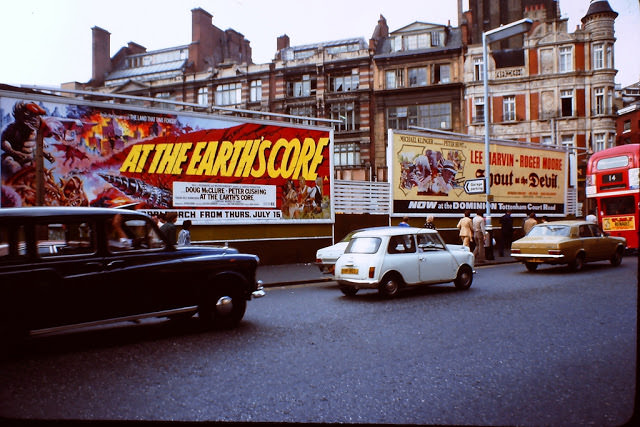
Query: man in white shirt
{"type": "Point", "coordinates": [478, 236]}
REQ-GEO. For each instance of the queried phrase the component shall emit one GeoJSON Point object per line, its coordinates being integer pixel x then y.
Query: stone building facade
{"type": "Point", "coordinates": [558, 88]}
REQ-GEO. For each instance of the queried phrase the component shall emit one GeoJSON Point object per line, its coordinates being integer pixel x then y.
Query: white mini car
{"type": "Point", "coordinates": [390, 258]}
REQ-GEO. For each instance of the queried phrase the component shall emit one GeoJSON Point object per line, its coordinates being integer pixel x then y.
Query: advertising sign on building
{"type": "Point", "coordinates": [210, 169]}
{"type": "Point", "coordinates": [445, 175]}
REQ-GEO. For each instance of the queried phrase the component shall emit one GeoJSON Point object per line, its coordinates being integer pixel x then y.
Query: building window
{"type": "Point", "coordinates": [255, 90]}
{"type": "Point", "coordinates": [598, 101]}
{"type": "Point", "coordinates": [567, 140]}
{"type": "Point", "coordinates": [416, 41]}
{"type": "Point", "coordinates": [346, 155]}
{"type": "Point", "coordinates": [433, 116]}
{"type": "Point", "coordinates": [418, 76]}
{"type": "Point", "coordinates": [566, 100]}
{"type": "Point", "coordinates": [598, 56]}
{"type": "Point", "coordinates": [394, 79]}
{"type": "Point", "coordinates": [345, 83]}
{"type": "Point", "coordinates": [441, 73]}
{"type": "Point", "coordinates": [509, 109]}
{"type": "Point", "coordinates": [397, 118]}
{"type": "Point", "coordinates": [228, 94]}
{"type": "Point", "coordinates": [599, 142]}
{"type": "Point", "coordinates": [305, 86]}
{"type": "Point", "coordinates": [304, 111]}
{"type": "Point", "coordinates": [478, 69]}
{"type": "Point", "coordinates": [566, 59]}
{"type": "Point", "coordinates": [203, 96]}
{"type": "Point", "coordinates": [626, 126]}
{"type": "Point", "coordinates": [347, 113]}
{"type": "Point", "coordinates": [478, 109]}
{"type": "Point", "coordinates": [547, 140]}
{"type": "Point", "coordinates": [435, 39]}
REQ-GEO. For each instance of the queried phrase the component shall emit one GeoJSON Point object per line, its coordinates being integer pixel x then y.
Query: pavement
{"type": "Point", "coordinates": [304, 273]}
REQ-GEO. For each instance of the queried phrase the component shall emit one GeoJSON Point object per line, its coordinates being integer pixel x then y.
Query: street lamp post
{"type": "Point", "coordinates": [500, 33]}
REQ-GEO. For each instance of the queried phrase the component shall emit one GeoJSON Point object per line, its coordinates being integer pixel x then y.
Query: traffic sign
{"type": "Point", "coordinates": [474, 186]}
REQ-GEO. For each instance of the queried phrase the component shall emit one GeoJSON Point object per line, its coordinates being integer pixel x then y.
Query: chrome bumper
{"type": "Point", "coordinates": [259, 292]}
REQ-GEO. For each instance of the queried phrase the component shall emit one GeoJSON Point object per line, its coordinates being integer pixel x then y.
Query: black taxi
{"type": "Point", "coordinates": [64, 267]}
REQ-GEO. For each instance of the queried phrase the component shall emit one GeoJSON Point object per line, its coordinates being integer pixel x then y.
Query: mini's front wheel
{"type": "Point", "coordinates": [464, 278]}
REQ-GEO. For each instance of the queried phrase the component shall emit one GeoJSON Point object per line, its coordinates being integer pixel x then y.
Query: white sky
{"type": "Point", "coordinates": [48, 42]}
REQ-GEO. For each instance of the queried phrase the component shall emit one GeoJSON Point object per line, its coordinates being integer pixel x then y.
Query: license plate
{"type": "Point", "coordinates": [349, 271]}
{"type": "Point", "coordinates": [535, 260]}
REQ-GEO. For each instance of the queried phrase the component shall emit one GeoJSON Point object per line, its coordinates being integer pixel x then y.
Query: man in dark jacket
{"type": "Point", "coordinates": [169, 228]}
{"type": "Point", "coordinates": [506, 223]}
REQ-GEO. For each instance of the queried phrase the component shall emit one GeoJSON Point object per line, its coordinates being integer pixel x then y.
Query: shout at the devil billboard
{"type": "Point", "coordinates": [212, 170]}
{"type": "Point", "coordinates": [446, 175]}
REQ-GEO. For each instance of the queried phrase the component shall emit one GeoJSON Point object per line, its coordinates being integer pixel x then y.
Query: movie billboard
{"type": "Point", "coordinates": [210, 169]}
{"type": "Point", "coordinates": [435, 174]}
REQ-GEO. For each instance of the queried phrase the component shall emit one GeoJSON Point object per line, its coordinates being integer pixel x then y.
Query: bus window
{"type": "Point", "coordinates": [618, 205]}
{"type": "Point", "coordinates": [612, 163]}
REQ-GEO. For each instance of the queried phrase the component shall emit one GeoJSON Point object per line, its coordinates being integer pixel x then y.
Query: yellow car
{"type": "Point", "coordinates": [567, 242]}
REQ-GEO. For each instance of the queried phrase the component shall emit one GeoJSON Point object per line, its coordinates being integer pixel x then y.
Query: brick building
{"type": "Point", "coordinates": [628, 115]}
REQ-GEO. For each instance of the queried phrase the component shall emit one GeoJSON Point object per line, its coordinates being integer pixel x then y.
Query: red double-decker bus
{"type": "Point", "coordinates": [613, 180]}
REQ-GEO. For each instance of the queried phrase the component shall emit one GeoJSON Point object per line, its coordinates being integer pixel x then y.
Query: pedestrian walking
{"type": "Point", "coordinates": [429, 223]}
{"type": "Point", "coordinates": [478, 236]}
{"type": "Point", "coordinates": [184, 237]}
{"type": "Point", "coordinates": [169, 227]}
{"type": "Point", "coordinates": [506, 225]}
{"type": "Point", "coordinates": [529, 223]}
{"type": "Point", "coordinates": [466, 232]}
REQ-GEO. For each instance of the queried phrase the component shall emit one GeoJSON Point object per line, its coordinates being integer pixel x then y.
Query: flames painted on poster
{"type": "Point", "coordinates": [432, 174]}
{"type": "Point", "coordinates": [208, 169]}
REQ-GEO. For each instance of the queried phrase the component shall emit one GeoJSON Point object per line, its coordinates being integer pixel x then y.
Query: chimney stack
{"type": "Point", "coordinates": [101, 59]}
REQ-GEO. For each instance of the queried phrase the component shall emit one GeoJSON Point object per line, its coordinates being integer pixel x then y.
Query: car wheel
{"type": "Point", "coordinates": [223, 306]}
{"type": "Point", "coordinates": [348, 290]}
{"type": "Point", "coordinates": [531, 266]}
{"type": "Point", "coordinates": [577, 263]}
{"type": "Point", "coordinates": [616, 259]}
{"type": "Point", "coordinates": [389, 286]}
{"type": "Point", "coordinates": [464, 278]}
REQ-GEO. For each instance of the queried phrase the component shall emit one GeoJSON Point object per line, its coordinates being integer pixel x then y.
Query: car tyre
{"type": "Point", "coordinates": [223, 306]}
{"type": "Point", "coordinates": [389, 286]}
{"type": "Point", "coordinates": [531, 266]}
{"type": "Point", "coordinates": [464, 278]}
{"type": "Point", "coordinates": [578, 263]}
{"type": "Point", "coordinates": [348, 290]}
{"type": "Point", "coordinates": [616, 259]}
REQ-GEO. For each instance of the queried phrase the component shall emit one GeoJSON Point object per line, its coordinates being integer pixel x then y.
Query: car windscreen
{"type": "Point", "coordinates": [363, 245]}
{"type": "Point", "coordinates": [550, 230]}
